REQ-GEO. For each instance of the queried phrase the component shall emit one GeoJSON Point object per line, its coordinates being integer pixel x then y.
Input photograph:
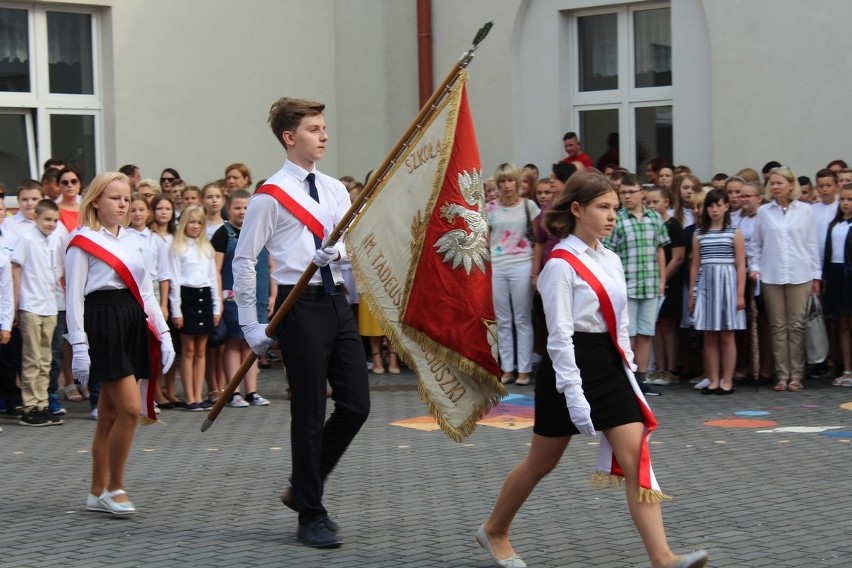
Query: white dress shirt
{"type": "Point", "coordinates": [17, 225]}
{"type": "Point", "coordinates": [570, 304]}
{"type": "Point", "coordinates": [162, 244]}
{"type": "Point", "coordinates": [823, 216]}
{"type": "Point", "coordinates": [784, 247]}
{"type": "Point", "coordinates": [838, 241]}
{"type": "Point", "coordinates": [150, 249]}
{"type": "Point", "coordinates": [85, 274]}
{"type": "Point", "coordinates": [192, 268]}
{"type": "Point", "coordinates": [289, 242]}
{"type": "Point", "coordinates": [7, 295]}
{"type": "Point", "coordinates": [40, 259]}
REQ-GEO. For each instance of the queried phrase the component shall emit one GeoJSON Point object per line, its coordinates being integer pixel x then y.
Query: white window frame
{"type": "Point", "coordinates": [40, 99]}
{"type": "Point", "coordinates": [626, 98]}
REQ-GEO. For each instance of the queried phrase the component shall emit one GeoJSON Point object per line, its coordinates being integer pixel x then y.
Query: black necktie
{"type": "Point", "coordinates": [325, 271]}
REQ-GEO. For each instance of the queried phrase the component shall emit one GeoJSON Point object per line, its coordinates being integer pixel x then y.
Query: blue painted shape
{"type": "Point", "coordinates": [519, 399]}
{"type": "Point", "coordinates": [834, 434]}
{"type": "Point", "coordinates": [752, 413]}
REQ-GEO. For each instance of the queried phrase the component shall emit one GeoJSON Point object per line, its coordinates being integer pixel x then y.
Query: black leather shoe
{"type": "Point", "coordinates": [316, 534]}
{"type": "Point", "coordinates": [708, 390]}
{"type": "Point", "coordinates": [288, 498]}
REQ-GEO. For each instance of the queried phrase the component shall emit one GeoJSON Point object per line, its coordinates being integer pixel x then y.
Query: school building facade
{"type": "Point", "coordinates": [715, 84]}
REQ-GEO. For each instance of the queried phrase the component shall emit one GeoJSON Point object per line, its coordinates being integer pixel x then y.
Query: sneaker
{"type": "Point", "coordinates": [647, 390]}
{"type": "Point", "coordinates": [193, 407]}
{"type": "Point", "coordinates": [844, 380]}
{"type": "Point", "coordinates": [54, 407]}
{"type": "Point", "coordinates": [206, 404]}
{"type": "Point", "coordinates": [256, 400]}
{"type": "Point", "coordinates": [14, 412]}
{"type": "Point", "coordinates": [52, 419]}
{"type": "Point", "coordinates": [34, 417]}
{"type": "Point", "coordinates": [94, 414]}
{"type": "Point", "coordinates": [662, 378]}
{"type": "Point", "coordinates": [702, 384]}
{"type": "Point", "coordinates": [238, 402]}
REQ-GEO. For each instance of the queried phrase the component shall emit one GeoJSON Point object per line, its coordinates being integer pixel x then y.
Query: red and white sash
{"type": "Point", "coordinates": [117, 258]}
{"type": "Point", "coordinates": [317, 219]}
{"type": "Point", "coordinates": [608, 469]}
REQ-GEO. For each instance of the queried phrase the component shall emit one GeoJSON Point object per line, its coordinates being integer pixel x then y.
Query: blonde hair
{"type": "Point", "coordinates": [88, 216]}
{"type": "Point", "coordinates": [749, 174]}
{"type": "Point", "coordinates": [181, 242]}
{"type": "Point", "coordinates": [787, 174]}
{"type": "Point", "coordinates": [508, 171]}
{"type": "Point", "coordinates": [149, 183]}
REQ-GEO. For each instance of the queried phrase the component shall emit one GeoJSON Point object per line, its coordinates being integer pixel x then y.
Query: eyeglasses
{"type": "Point", "coordinates": [167, 180]}
{"type": "Point", "coordinates": [69, 182]}
{"type": "Point", "coordinates": [629, 191]}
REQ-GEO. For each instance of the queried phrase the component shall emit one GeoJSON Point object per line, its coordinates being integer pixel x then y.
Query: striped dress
{"type": "Point", "coordinates": [716, 285]}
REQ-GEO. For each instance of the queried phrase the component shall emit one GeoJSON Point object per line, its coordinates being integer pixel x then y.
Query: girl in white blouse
{"type": "Point", "coordinates": [109, 298]}
{"type": "Point", "coordinates": [194, 299]}
{"type": "Point", "coordinates": [585, 381]}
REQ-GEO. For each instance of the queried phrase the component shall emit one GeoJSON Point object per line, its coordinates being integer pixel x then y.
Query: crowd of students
{"type": "Point", "coordinates": [186, 236]}
{"type": "Point", "coordinates": [709, 267]}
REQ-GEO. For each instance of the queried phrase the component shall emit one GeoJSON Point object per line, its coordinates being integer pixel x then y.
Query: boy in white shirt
{"type": "Point", "coordinates": [36, 269]}
{"type": "Point", "coordinates": [825, 209]}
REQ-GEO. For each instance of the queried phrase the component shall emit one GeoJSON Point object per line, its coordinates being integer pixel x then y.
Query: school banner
{"type": "Point", "coordinates": [420, 255]}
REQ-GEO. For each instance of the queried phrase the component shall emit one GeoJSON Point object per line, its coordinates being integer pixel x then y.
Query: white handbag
{"type": "Point", "coordinates": [816, 337]}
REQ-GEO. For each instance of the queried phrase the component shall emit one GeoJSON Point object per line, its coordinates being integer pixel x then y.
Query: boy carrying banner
{"type": "Point", "coordinates": [290, 215]}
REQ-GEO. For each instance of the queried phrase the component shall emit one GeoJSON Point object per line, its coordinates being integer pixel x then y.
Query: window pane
{"type": "Point", "coordinates": [598, 50]}
{"type": "Point", "coordinates": [69, 44]}
{"type": "Point", "coordinates": [653, 135]}
{"type": "Point", "coordinates": [14, 51]}
{"type": "Point", "coordinates": [652, 32]}
{"type": "Point", "coordinates": [599, 136]}
{"type": "Point", "coordinates": [73, 140]}
{"type": "Point", "coordinates": [15, 157]}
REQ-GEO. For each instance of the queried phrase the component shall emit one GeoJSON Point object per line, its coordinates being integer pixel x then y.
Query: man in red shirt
{"type": "Point", "coordinates": [575, 154]}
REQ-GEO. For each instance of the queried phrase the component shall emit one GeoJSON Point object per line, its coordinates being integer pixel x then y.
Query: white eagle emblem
{"type": "Point", "coordinates": [458, 245]}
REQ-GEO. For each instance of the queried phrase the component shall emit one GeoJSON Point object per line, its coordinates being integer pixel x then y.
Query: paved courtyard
{"type": "Point", "coordinates": [759, 478]}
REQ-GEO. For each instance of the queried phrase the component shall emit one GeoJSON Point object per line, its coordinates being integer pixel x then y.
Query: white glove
{"type": "Point", "coordinates": [255, 334]}
{"type": "Point", "coordinates": [324, 256]}
{"type": "Point", "coordinates": [80, 362]}
{"type": "Point", "coordinates": [579, 410]}
{"type": "Point", "coordinates": [167, 351]}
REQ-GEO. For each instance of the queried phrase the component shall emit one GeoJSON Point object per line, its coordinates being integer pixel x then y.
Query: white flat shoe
{"type": "Point", "coordinates": [513, 561]}
{"type": "Point", "coordinates": [114, 507]}
{"type": "Point", "coordinates": [695, 559]}
{"type": "Point", "coordinates": [93, 503]}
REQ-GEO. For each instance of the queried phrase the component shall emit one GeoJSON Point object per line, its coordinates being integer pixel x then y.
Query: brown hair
{"type": "Point", "coordinates": [286, 114]}
{"type": "Point", "coordinates": [242, 168]}
{"type": "Point", "coordinates": [582, 188]}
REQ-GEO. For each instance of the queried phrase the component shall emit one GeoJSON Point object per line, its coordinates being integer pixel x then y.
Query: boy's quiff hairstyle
{"type": "Point", "coordinates": [827, 173]}
{"type": "Point", "coordinates": [46, 205]}
{"type": "Point", "coordinates": [286, 114]}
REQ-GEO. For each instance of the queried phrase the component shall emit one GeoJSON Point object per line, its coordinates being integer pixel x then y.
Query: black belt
{"type": "Point", "coordinates": [309, 290]}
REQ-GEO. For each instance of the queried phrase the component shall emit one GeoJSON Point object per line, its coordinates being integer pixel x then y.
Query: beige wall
{"type": "Point", "coordinates": [194, 80]}
{"type": "Point", "coordinates": [188, 82]}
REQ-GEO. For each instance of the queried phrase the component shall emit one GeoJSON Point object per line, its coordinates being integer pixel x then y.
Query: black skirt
{"type": "Point", "coordinates": [116, 326]}
{"type": "Point", "coordinates": [196, 305]}
{"type": "Point", "coordinates": [837, 296]}
{"type": "Point", "coordinates": [605, 386]}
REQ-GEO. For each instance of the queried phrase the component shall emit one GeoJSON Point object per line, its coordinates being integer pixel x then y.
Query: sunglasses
{"type": "Point", "coordinates": [167, 179]}
{"type": "Point", "coordinates": [69, 182]}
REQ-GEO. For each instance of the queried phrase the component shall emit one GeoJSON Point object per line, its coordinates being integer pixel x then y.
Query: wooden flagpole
{"type": "Point", "coordinates": [376, 178]}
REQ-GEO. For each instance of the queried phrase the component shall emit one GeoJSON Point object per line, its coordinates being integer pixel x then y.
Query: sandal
{"type": "Point", "coordinates": [393, 363]}
{"type": "Point", "coordinates": [378, 368]}
{"type": "Point", "coordinates": [795, 386]}
{"type": "Point", "coordinates": [72, 393]}
{"type": "Point", "coordinates": [780, 386]}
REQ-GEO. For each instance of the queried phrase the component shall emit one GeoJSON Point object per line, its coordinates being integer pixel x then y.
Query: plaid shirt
{"type": "Point", "coordinates": [635, 241]}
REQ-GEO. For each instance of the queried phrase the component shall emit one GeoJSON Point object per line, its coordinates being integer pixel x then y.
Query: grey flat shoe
{"type": "Point", "coordinates": [695, 559]}
{"type": "Point", "coordinates": [513, 561]}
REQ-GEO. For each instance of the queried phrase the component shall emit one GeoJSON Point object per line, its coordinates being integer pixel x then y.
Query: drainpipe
{"type": "Point", "coordinates": [424, 49]}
